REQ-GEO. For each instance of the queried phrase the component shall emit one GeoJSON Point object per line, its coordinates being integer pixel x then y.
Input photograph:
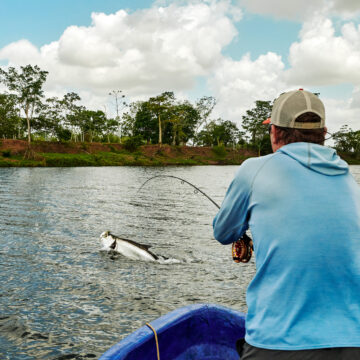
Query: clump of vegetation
{"type": "Point", "coordinates": [132, 143]}
{"type": "Point", "coordinates": [63, 134]}
{"type": "Point", "coordinates": [219, 151]}
{"type": "Point", "coordinates": [6, 153]}
{"type": "Point", "coordinates": [84, 147]}
{"type": "Point", "coordinates": [347, 143]}
{"type": "Point", "coordinates": [160, 152]}
{"type": "Point", "coordinates": [112, 149]}
{"type": "Point", "coordinates": [69, 160]}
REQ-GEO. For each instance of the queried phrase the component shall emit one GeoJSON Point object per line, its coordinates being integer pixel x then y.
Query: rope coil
{"type": "Point", "coordinates": [156, 340]}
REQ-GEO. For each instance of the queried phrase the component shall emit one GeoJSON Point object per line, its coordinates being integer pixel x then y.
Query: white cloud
{"type": "Point", "coordinates": [144, 52]}
{"type": "Point", "coordinates": [170, 47]}
{"type": "Point", "coordinates": [341, 112]}
{"type": "Point", "coordinates": [347, 8]}
{"type": "Point", "coordinates": [301, 10]}
{"type": "Point", "coordinates": [289, 9]}
{"type": "Point", "coordinates": [355, 101]}
{"type": "Point", "coordinates": [24, 50]}
{"type": "Point", "coordinates": [238, 84]}
{"type": "Point", "coordinates": [322, 58]}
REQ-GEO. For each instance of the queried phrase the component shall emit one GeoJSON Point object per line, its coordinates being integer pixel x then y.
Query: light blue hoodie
{"type": "Point", "coordinates": [303, 208]}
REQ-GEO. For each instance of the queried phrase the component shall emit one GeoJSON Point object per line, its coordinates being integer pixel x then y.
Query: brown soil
{"type": "Point", "coordinates": [20, 146]}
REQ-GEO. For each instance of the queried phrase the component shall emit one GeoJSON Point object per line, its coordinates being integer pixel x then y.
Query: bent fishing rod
{"type": "Point", "coordinates": [242, 249]}
{"type": "Point", "coordinates": [182, 181]}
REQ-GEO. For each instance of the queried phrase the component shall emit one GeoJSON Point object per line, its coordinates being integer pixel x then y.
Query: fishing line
{"type": "Point", "coordinates": [242, 249]}
{"type": "Point", "coordinates": [331, 136]}
{"type": "Point", "coordinates": [182, 181]}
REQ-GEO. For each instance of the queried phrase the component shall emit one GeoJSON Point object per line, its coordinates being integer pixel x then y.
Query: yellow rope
{"type": "Point", "coordinates": [156, 340]}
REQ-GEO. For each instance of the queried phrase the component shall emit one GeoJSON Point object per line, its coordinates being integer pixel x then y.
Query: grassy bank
{"type": "Point", "coordinates": [53, 154]}
{"type": "Point", "coordinates": [96, 154]}
{"type": "Point", "coordinates": [351, 159]}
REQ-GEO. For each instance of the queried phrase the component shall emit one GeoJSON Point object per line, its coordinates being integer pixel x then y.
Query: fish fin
{"type": "Point", "coordinates": [154, 255]}
{"type": "Point", "coordinates": [113, 245]}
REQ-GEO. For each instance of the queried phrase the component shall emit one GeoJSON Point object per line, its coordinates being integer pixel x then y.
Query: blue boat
{"type": "Point", "coordinates": [201, 332]}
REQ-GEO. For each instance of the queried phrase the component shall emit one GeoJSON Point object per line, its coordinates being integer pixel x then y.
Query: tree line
{"type": "Point", "coordinates": [162, 119]}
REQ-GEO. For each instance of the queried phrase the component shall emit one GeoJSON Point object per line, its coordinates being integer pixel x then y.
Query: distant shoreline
{"type": "Point", "coordinates": [70, 154]}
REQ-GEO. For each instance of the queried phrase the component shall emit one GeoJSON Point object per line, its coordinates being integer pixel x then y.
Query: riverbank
{"type": "Point", "coordinates": [55, 154]}
{"type": "Point", "coordinates": [350, 158]}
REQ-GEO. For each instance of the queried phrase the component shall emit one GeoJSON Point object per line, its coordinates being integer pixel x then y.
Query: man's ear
{"type": "Point", "coordinates": [274, 134]}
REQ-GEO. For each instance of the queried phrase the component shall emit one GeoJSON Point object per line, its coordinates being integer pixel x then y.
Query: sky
{"type": "Point", "coordinates": [238, 51]}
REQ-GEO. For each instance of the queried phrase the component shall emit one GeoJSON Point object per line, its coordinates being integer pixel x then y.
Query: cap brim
{"type": "Point", "coordinates": [267, 121]}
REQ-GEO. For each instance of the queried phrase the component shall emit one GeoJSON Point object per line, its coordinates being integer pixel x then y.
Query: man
{"type": "Point", "coordinates": [303, 209]}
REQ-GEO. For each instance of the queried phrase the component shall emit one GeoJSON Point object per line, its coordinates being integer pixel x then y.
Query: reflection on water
{"type": "Point", "coordinates": [64, 298]}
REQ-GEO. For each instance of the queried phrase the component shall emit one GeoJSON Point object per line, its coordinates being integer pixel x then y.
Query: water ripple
{"type": "Point", "coordinates": [63, 298]}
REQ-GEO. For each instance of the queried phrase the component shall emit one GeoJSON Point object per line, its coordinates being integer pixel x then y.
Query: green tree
{"type": "Point", "coordinates": [160, 106]}
{"type": "Point", "coordinates": [55, 117]}
{"type": "Point", "coordinates": [347, 140]}
{"type": "Point", "coordinates": [218, 132]}
{"type": "Point", "coordinates": [90, 123]}
{"type": "Point", "coordinates": [162, 119]}
{"type": "Point", "coordinates": [204, 106]}
{"type": "Point", "coordinates": [140, 120]}
{"type": "Point", "coordinates": [252, 124]}
{"type": "Point", "coordinates": [70, 108]}
{"type": "Point", "coordinates": [27, 85]}
{"type": "Point", "coordinates": [49, 119]}
{"type": "Point", "coordinates": [110, 127]}
{"type": "Point", "coordinates": [183, 118]}
{"type": "Point", "coordinates": [11, 124]}
{"type": "Point", "coordinates": [145, 124]}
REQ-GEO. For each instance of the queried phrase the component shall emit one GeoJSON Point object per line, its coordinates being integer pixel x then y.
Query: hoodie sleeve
{"type": "Point", "coordinates": [231, 221]}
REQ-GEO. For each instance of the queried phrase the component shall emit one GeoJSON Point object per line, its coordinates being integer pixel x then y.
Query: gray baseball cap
{"type": "Point", "coordinates": [288, 106]}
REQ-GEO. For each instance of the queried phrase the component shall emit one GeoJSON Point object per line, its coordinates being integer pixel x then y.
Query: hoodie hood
{"type": "Point", "coordinates": [316, 157]}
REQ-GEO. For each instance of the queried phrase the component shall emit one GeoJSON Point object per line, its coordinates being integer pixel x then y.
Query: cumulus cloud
{"type": "Point", "coordinates": [340, 112]}
{"type": "Point", "coordinates": [238, 84]}
{"type": "Point", "coordinates": [355, 100]}
{"type": "Point", "coordinates": [290, 9]}
{"type": "Point", "coordinates": [143, 52]}
{"type": "Point", "coordinates": [347, 8]}
{"type": "Point", "coordinates": [24, 50]}
{"type": "Point", "coordinates": [174, 43]}
{"type": "Point", "coordinates": [323, 58]}
{"type": "Point", "coordinates": [301, 10]}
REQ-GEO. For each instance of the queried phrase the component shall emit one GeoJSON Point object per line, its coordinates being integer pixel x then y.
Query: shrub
{"type": "Point", "coordinates": [132, 143]}
{"type": "Point", "coordinates": [219, 150]}
{"type": "Point", "coordinates": [111, 138]}
{"type": "Point", "coordinates": [6, 153]}
{"type": "Point", "coordinates": [114, 149]}
{"type": "Point", "coordinates": [63, 134]}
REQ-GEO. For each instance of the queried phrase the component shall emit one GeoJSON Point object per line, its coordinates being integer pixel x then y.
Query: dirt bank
{"type": "Point", "coordinates": [100, 154]}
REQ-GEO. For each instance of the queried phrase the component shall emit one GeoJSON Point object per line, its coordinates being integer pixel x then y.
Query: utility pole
{"type": "Point", "coordinates": [118, 97]}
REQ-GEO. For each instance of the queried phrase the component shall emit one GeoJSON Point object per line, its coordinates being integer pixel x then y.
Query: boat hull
{"type": "Point", "coordinates": [201, 332]}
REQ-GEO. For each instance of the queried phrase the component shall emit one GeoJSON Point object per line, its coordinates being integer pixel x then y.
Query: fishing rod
{"type": "Point", "coordinates": [242, 248]}
{"type": "Point", "coordinates": [182, 181]}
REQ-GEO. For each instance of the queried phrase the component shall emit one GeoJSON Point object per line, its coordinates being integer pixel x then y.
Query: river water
{"type": "Point", "coordinates": [63, 298]}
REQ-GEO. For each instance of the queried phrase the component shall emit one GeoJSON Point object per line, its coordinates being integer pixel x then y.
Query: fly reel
{"type": "Point", "coordinates": [242, 249]}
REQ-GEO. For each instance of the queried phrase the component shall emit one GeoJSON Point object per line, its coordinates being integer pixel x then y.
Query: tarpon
{"type": "Point", "coordinates": [126, 247]}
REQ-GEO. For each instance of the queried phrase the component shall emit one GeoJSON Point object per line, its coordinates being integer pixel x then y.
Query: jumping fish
{"type": "Point", "coordinates": [126, 247]}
